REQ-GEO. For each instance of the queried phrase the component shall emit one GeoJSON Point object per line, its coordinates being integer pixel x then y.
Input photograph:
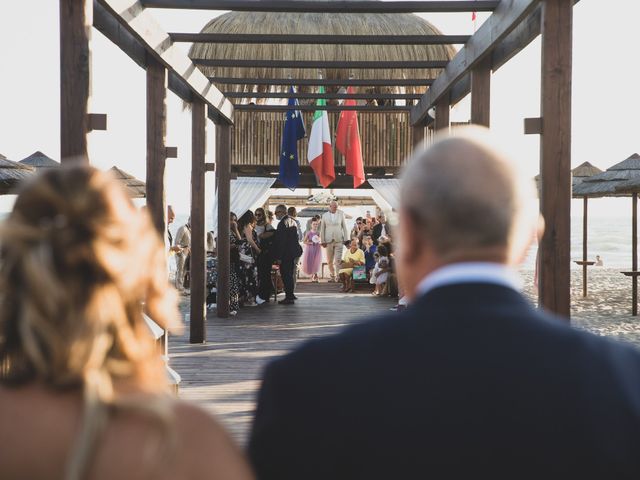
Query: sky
{"type": "Point", "coordinates": [605, 128]}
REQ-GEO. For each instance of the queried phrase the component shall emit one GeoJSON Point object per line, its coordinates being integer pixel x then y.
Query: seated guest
{"type": "Point", "coordinates": [357, 228]}
{"type": "Point", "coordinates": [381, 228]}
{"type": "Point", "coordinates": [83, 390]}
{"type": "Point", "coordinates": [469, 381]}
{"type": "Point", "coordinates": [352, 257]}
{"type": "Point", "coordinates": [369, 250]}
{"type": "Point", "coordinates": [381, 271]}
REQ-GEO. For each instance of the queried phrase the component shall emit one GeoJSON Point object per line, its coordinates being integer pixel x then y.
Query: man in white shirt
{"type": "Point", "coordinates": [333, 234]}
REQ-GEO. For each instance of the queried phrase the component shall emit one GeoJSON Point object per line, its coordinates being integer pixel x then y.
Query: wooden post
{"type": "Point", "coordinates": [156, 153]}
{"type": "Point", "coordinates": [198, 261]}
{"type": "Point", "coordinates": [76, 18]}
{"type": "Point", "coordinates": [418, 136]}
{"type": "Point", "coordinates": [223, 161]}
{"type": "Point", "coordinates": [442, 114]}
{"type": "Point", "coordinates": [634, 254]}
{"type": "Point", "coordinates": [584, 245]}
{"type": "Point", "coordinates": [481, 93]}
{"type": "Point", "coordinates": [555, 153]}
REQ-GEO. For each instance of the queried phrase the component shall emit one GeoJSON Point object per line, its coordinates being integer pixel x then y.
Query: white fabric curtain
{"type": "Point", "coordinates": [388, 189]}
{"type": "Point", "coordinates": [246, 193]}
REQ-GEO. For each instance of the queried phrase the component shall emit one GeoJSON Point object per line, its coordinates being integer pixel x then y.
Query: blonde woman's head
{"type": "Point", "coordinates": [77, 262]}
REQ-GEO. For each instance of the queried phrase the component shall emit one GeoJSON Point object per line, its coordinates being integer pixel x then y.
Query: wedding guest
{"type": "Point", "coordinates": [357, 229]}
{"type": "Point", "coordinates": [266, 236]}
{"type": "Point", "coordinates": [369, 252]}
{"type": "Point", "coordinates": [234, 270]}
{"type": "Point", "coordinates": [380, 229]}
{"type": "Point", "coordinates": [183, 242]}
{"type": "Point", "coordinates": [293, 213]}
{"type": "Point", "coordinates": [470, 380]}
{"type": "Point", "coordinates": [286, 250]}
{"type": "Point", "coordinates": [248, 251]}
{"type": "Point", "coordinates": [353, 257]}
{"type": "Point", "coordinates": [333, 234]}
{"type": "Point", "coordinates": [83, 390]}
{"type": "Point", "coordinates": [381, 271]}
{"type": "Point", "coordinates": [312, 257]}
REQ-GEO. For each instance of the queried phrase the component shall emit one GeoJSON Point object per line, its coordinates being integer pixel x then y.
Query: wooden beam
{"type": "Point", "coordinates": [634, 253]}
{"type": "Point", "coordinates": [326, 96]}
{"type": "Point", "coordinates": [209, 167]}
{"type": "Point", "coordinates": [504, 19]}
{"type": "Point", "coordinates": [197, 326]}
{"type": "Point", "coordinates": [328, 6]}
{"type": "Point", "coordinates": [107, 24]}
{"type": "Point", "coordinates": [133, 17]}
{"type": "Point", "coordinates": [328, 108]}
{"type": "Point", "coordinates": [533, 126]}
{"type": "Point", "coordinates": [171, 152]}
{"type": "Point", "coordinates": [97, 121]}
{"type": "Point", "coordinates": [390, 82]}
{"type": "Point", "coordinates": [442, 114]}
{"type": "Point", "coordinates": [223, 160]}
{"type": "Point", "coordinates": [345, 64]}
{"type": "Point", "coordinates": [75, 78]}
{"type": "Point", "coordinates": [300, 39]}
{"type": "Point", "coordinates": [481, 93]}
{"type": "Point", "coordinates": [156, 152]}
{"type": "Point", "coordinates": [555, 156]}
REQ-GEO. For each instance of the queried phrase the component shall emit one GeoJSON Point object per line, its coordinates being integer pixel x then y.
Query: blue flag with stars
{"type": "Point", "coordinates": [293, 131]}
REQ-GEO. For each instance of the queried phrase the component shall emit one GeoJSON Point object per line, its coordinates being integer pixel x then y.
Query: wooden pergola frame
{"type": "Point", "coordinates": [512, 25]}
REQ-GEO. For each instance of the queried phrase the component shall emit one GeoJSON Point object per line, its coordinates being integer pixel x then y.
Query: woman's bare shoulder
{"type": "Point", "coordinates": [206, 448]}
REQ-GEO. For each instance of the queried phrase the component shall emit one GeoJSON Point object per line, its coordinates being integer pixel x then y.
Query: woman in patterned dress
{"type": "Point", "coordinates": [248, 252]}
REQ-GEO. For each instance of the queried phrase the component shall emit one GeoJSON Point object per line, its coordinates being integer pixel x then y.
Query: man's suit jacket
{"type": "Point", "coordinates": [334, 230]}
{"type": "Point", "coordinates": [469, 382]}
{"type": "Point", "coordinates": [286, 245]}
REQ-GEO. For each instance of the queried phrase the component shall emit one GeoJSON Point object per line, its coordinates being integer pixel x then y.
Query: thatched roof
{"type": "Point", "coordinates": [39, 160]}
{"type": "Point", "coordinates": [606, 183]}
{"type": "Point", "coordinates": [578, 175]}
{"type": "Point", "coordinates": [136, 188]}
{"type": "Point", "coordinates": [321, 24]}
{"type": "Point", "coordinates": [11, 174]}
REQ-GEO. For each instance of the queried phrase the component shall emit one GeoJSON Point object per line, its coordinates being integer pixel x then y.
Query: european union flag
{"type": "Point", "coordinates": [293, 131]}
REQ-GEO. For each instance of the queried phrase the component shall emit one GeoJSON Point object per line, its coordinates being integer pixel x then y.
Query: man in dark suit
{"type": "Point", "coordinates": [470, 381]}
{"type": "Point", "coordinates": [379, 229]}
{"type": "Point", "coordinates": [286, 249]}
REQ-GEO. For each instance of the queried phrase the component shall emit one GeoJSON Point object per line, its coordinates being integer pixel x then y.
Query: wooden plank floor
{"type": "Point", "coordinates": [223, 374]}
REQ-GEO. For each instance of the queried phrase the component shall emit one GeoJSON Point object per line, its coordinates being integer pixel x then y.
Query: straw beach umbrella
{"type": "Point", "coordinates": [39, 160]}
{"type": "Point", "coordinates": [319, 24]}
{"type": "Point", "coordinates": [579, 174]}
{"type": "Point", "coordinates": [135, 188]}
{"type": "Point", "coordinates": [606, 184]}
{"type": "Point", "coordinates": [12, 173]}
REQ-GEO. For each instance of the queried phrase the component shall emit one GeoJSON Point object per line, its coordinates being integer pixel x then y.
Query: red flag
{"type": "Point", "coordinates": [348, 142]}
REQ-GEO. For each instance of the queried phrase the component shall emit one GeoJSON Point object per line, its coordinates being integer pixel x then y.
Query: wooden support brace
{"type": "Point", "coordinates": [533, 126]}
{"type": "Point", "coordinates": [171, 152]}
{"type": "Point", "coordinates": [97, 121]}
{"type": "Point", "coordinates": [209, 167]}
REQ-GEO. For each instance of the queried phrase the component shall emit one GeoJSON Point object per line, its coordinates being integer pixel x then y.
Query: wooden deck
{"type": "Point", "coordinates": [223, 374]}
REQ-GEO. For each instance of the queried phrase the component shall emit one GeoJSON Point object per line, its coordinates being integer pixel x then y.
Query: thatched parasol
{"type": "Point", "coordinates": [136, 188]}
{"type": "Point", "coordinates": [39, 160]}
{"type": "Point", "coordinates": [11, 174]}
{"type": "Point", "coordinates": [320, 24]}
{"type": "Point", "coordinates": [612, 183]}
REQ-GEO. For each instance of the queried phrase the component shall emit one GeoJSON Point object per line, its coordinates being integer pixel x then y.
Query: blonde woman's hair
{"type": "Point", "coordinates": [77, 262]}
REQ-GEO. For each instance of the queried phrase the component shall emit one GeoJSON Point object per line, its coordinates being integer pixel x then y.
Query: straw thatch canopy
{"type": "Point", "coordinates": [320, 24]}
{"type": "Point", "coordinates": [11, 174]}
{"type": "Point", "coordinates": [136, 188]}
{"type": "Point", "coordinates": [578, 175]}
{"type": "Point", "coordinates": [605, 183]}
{"type": "Point", "coordinates": [39, 160]}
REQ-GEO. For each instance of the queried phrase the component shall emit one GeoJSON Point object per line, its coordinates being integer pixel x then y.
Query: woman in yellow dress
{"type": "Point", "coordinates": [352, 257]}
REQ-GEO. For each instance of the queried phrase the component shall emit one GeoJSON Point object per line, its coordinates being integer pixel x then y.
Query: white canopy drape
{"type": "Point", "coordinates": [388, 189]}
{"type": "Point", "coordinates": [246, 193]}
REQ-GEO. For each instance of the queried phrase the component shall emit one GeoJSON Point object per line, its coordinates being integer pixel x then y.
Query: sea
{"type": "Point", "coordinates": [609, 237]}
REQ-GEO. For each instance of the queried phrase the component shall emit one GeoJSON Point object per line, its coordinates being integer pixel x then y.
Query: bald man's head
{"type": "Point", "coordinates": [465, 200]}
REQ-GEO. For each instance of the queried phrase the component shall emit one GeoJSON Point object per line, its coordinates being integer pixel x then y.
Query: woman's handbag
{"type": "Point", "coordinates": [246, 258]}
{"type": "Point", "coordinates": [360, 273]}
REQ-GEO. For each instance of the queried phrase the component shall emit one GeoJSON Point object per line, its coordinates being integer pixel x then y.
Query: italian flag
{"type": "Point", "coordinates": [320, 154]}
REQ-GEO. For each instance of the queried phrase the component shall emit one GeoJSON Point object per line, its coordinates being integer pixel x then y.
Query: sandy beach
{"type": "Point", "coordinates": [607, 308]}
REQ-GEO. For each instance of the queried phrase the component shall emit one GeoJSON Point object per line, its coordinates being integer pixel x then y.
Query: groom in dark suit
{"type": "Point", "coordinates": [286, 250]}
{"type": "Point", "coordinates": [470, 381]}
